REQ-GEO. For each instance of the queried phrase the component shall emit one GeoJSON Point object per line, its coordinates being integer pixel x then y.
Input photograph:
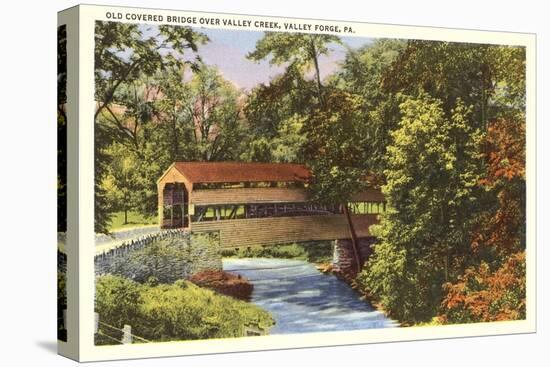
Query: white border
{"type": "Point", "coordinates": [88, 352]}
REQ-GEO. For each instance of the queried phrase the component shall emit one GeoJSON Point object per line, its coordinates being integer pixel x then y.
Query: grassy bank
{"type": "Point", "coordinates": [166, 312]}
{"type": "Point", "coordinates": [135, 219]}
{"type": "Point", "coordinates": [313, 251]}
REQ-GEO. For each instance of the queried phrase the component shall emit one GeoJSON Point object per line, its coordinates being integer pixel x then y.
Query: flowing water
{"type": "Point", "coordinates": [302, 299]}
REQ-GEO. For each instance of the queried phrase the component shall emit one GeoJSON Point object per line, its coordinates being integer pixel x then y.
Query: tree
{"type": "Point", "coordinates": [362, 70]}
{"type": "Point", "coordinates": [214, 115]}
{"type": "Point", "coordinates": [300, 51]}
{"type": "Point", "coordinates": [123, 54]}
{"type": "Point", "coordinates": [172, 108]}
{"type": "Point", "coordinates": [275, 114]}
{"type": "Point", "coordinates": [287, 95]}
{"type": "Point", "coordinates": [483, 295]}
{"type": "Point", "coordinates": [433, 196]}
{"type": "Point", "coordinates": [453, 178]}
{"type": "Point", "coordinates": [124, 58]}
{"type": "Point", "coordinates": [489, 79]}
{"type": "Point", "coordinates": [122, 184]}
{"type": "Point", "coordinates": [361, 74]}
{"type": "Point", "coordinates": [334, 147]}
{"type": "Point", "coordinates": [286, 146]}
{"type": "Point", "coordinates": [502, 226]}
{"type": "Point", "coordinates": [493, 287]}
{"type": "Point", "coordinates": [446, 71]}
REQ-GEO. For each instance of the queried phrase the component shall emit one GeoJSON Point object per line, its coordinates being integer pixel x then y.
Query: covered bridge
{"type": "Point", "coordinates": [257, 204]}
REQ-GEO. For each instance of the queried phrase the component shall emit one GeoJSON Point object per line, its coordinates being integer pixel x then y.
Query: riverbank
{"type": "Point", "coordinates": [328, 268]}
{"type": "Point", "coordinates": [317, 252]}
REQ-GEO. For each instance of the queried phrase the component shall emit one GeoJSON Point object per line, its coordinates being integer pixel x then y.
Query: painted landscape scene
{"type": "Point", "coordinates": [253, 183]}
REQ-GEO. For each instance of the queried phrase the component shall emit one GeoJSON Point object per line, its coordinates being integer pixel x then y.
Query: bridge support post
{"type": "Point", "coordinates": [344, 259]}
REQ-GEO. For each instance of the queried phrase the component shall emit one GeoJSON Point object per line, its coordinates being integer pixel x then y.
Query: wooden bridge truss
{"type": "Point", "coordinates": [257, 203]}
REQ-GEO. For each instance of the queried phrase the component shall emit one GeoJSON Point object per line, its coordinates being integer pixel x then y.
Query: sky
{"type": "Point", "coordinates": [227, 50]}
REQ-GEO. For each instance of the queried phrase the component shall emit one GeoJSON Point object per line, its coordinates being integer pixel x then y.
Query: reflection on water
{"type": "Point", "coordinates": [301, 299]}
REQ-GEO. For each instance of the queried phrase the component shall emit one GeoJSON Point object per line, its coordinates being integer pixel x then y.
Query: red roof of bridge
{"type": "Point", "coordinates": [218, 172]}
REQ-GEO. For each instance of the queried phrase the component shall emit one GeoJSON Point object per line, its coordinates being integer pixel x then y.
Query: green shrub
{"type": "Point", "coordinates": [409, 290]}
{"type": "Point", "coordinates": [179, 311]}
{"type": "Point", "coordinates": [117, 300]}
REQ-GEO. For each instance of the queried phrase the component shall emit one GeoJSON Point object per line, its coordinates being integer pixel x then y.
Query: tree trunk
{"type": "Point", "coordinates": [125, 215]}
{"type": "Point", "coordinates": [175, 139]}
{"type": "Point", "coordinates": [317, 71]}
{"type": "Point", "coordinates": [356, 253]}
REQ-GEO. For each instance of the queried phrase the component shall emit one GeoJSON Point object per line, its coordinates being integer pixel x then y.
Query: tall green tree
{"type": "Point", "coordinates": [275, 114]}
{"type": "Point", "coordinates": [214, 113]}
{"type": "Point", "coordinates": [475, 73]}
{"type": "Point", "coordinates": [286, 95]}
{"type": "Point", "coordinates": [433, 195]}
{"type": "Point", "coordinates": [361, 74]}
{"type": "Point", "coordinates": [172, 108]}
{"type": "Point", "coordinates": [297, 50]}
{"type": "Point", "coordinates": [122, 184]}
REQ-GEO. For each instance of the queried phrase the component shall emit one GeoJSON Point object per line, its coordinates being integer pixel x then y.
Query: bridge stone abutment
{"type": "Point", "coordinates": [343, 259]}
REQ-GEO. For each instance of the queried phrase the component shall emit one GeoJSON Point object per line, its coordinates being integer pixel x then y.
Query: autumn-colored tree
{"type": "Point", "coordinates": [482, 295]}
{"type": "Point", "coordinates": [494, 290]}
{"type": "Point", "coordinates": [502, 227]}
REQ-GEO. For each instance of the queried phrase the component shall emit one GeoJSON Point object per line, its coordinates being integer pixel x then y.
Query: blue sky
{"type": "Point", "coordinates": [227, 50]}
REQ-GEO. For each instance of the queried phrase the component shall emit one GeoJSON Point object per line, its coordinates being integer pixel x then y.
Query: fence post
{"type": "Point", "coordinates": [127, 336]}
{"type": "Point", "coordinates": [96, 322]}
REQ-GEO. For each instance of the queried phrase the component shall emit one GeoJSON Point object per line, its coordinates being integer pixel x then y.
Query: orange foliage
{"type": "Point", "coordinates": [481, 295]}
{"type": "Point", "coordinates": [505, 151]}
{"type": "Point", "coordinates": [500, 228]}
